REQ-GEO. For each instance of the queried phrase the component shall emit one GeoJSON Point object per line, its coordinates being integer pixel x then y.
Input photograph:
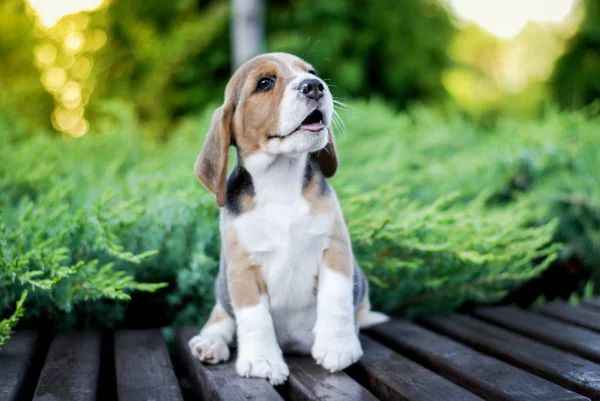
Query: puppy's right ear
{"type": "Point", "coordinates": [211, 164]}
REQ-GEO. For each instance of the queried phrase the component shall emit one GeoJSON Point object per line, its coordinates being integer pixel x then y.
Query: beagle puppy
{"type": "Point", "coordinates": [288, 281]}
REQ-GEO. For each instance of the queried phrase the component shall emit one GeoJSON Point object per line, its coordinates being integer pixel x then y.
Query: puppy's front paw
{"type": "Point", "coordinates": [336, 353]}
{"type": "Point", "coordinates": [267, 364]}
{"type": "Point", "coordinates": [209, 349]}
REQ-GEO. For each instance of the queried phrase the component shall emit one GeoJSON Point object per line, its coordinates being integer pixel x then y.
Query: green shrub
{"type": "Point", "coordinates": [82, 218]}
{"type": "Point", "coordinates": [548, 167]}
{"type": "Point", "coordinates": [440, 213]}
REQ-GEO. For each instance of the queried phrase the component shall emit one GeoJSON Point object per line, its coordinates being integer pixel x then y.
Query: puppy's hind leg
{"type": "Point", "coordinates": [212, 344]}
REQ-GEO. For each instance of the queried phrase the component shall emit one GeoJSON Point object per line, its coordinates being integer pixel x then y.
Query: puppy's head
{"type": "Point", "coordinates": [275, 104]}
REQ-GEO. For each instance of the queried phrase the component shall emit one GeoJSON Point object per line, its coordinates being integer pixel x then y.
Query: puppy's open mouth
{"type": "Point", "coordinates": [312, 123]}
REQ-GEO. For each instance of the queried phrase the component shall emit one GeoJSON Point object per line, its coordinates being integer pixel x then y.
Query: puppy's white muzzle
{"type": "Point", "coordinates": [305, 115]}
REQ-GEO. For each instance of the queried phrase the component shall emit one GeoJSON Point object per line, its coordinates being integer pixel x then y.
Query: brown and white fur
{"type": "Point", "coordinates": [288, 279]}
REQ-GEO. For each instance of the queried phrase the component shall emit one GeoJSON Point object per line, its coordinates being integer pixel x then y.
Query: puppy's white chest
{"type": "Point", "coordinates": [283, 233]}
{"type": "Point", "coordinates": [288, 243]}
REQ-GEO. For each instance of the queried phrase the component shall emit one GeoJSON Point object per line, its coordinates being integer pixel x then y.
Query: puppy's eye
{"type": "Point", "coordinates": [265, 84]}
{"type": "Point", "coordinates": [313, 72]}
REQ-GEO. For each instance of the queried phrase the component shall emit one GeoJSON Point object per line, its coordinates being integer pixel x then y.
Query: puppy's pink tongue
{"type": "Point", "coordinates": [313, 127]}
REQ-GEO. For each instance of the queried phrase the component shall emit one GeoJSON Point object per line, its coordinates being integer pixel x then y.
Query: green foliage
{"type": "Point", "coordinates": [441, 255]}
{"type": "Point", "coordinates": [19, 77]}
{"type": "Point", "coordinates": [576, 78]}
{"type": "Point", "coordinates": [440, 213]}
{"type": "Point", "coordinates": [395, 49]}
{"type": "Point", "coordinates": [546, 166]}
{"type": "Point", "coordinates": [170, 59]}
{"type": "Point", "coordinates": [72, 237]}
{"type": "Point", "coordinates": [167, 58]}
{"type": "Point", "coordinates": [8, 324]}
{"type": "Point", "coordinates": [53, 249]}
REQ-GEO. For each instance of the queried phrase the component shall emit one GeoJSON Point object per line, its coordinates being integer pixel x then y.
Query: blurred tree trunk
{"type": "Point", "coordinates": [247, 30]}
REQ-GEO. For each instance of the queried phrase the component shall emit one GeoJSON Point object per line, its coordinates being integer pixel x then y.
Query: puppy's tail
{"type": "Point", "coordinates": [372, 318]}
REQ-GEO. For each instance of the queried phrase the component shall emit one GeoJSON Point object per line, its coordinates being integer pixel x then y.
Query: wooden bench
{"type": "Point", "coordinates": [499, 353]}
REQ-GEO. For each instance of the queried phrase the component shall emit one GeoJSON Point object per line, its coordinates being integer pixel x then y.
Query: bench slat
{"type": "Point", "coordinates": [143, 367]}
{"type": "Point", "coordinates": [71, 369]}
{"type": "Point", "coordinates": [588, 318]}
{"type": "Point", "coordinates": [16, 358]}
{"type": "Point", "coordinates": [391, 376]}
{"type": "Point", "coordinates": [582, 342]}
{"type": "Point", "coordinates": [592, 303]}
{"type": "Point", "coordinates": [309, 381]}
{"type": "Point", "coordinates": [220, 382]}
{"type": "Point", "coordinates": [481, 374]}
{"type": "Point", "coordinates": [571, 371]}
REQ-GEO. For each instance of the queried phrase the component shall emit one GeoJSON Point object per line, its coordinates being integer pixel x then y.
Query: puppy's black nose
{"type": "Point", "coordinates": [312, 88]}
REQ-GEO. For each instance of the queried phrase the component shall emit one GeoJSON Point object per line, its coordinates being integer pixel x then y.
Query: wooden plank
{"type": "Point", "coordinates": [391, 376]}
{"type": "Point", "coordinates": [479, 373]}
{"type": "Point", "coordinates": [143, 367]}
{"type": "Point", "coordinates": [220, 382]}
{"type": "Point", "coordinates": [16, 358]}
{"type": "Point", "coordinates": [577, 340]}
{"type": "Point", "coordinates": [592, 303]}
{"type": "Point", "coordinates": [309, 381]}
{"type": "Point", "coordinates": [588, 318]}
{"type": "Point", "coordinates": [570, 371]}
{"type": "Point", "coordinates": [71, 369]}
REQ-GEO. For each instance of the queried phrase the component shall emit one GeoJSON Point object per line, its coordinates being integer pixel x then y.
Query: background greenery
{"type": "Point", "coordinates": [456, 191]}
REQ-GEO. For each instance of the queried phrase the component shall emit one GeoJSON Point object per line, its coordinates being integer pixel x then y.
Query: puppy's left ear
{"type": "Point", "coordinates": [211, 165]}
{"type": "Point", "coordinates": [326, 158]}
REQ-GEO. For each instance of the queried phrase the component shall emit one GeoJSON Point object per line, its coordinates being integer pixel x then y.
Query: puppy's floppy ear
{"type": "Point", "coordinates": [326, 158]}
{"type": "Point", "coordinates": [211, 164]}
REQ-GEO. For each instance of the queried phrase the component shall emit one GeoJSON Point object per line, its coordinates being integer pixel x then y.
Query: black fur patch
{"type": "Point", "coordinates": [239, 183]}
{"type": "Point", "coordinates": [309, 173]}
{"type": "Point", "coordinates": [313, 171]}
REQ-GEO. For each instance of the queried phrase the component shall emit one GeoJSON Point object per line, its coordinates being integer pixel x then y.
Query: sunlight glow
{"type": "Point", "coordinates": [50, 12]}
{"type": "Point", "coordinates": [506, 18]}
{"type": "Point", "coordinates": [54, 78]}
{"type": "Point", "coordinates": [74, 42]}
{"type": "Point", "coordinates": [46, 54]}
{"type": "Point", "coordinates": [64, 57]}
